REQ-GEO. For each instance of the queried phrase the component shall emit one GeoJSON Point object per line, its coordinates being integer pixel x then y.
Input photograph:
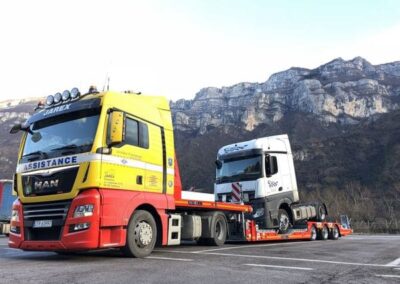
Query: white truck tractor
{"type": "Point", "coordinates": [261, 173]}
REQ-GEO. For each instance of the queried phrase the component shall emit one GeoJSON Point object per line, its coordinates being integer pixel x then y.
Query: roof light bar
{"type": "Point", "coordinates": [65, 96]}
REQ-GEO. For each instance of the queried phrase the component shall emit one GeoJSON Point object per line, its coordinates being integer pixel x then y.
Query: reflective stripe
{"type": "Point", "coordinates": [61, 162]}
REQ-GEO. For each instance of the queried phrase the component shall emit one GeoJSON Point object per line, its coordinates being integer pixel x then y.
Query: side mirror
{"type": "Point", "coordinates": [218, 163]}
{"type": "Point", "coordinates": [116, 128]}
{"type": "Point", "coordinates": [16, 128]}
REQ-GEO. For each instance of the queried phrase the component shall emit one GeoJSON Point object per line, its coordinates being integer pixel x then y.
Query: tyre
{"type": "Point", "coordinates": [313, 236]}
{"type": "Point", "coordinates": [218, 229]}
{"type": "Point", "coordinates": [334, 233]}
{"type": "Point", "coordinates": [284, 221]}
{"type": "Point", "coordinates": [141, 235]}
{"type": "Point", "coordinates": [321, 212]}
{"type": "Point", "coordinates": [323, 233]}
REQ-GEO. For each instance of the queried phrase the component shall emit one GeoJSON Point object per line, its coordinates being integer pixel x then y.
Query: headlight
{"type": "Point", "coordinates": [14, 216]}
{"type": "Point", "coordinates": [259, 212]}
{"type": "Point", "coordinates": [83, 210]}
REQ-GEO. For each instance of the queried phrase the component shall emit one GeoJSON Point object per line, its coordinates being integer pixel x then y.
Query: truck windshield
{"type": "Point", "coordinates": [65, 135]}
{"type": "Point", "coordinates": [239, 169]}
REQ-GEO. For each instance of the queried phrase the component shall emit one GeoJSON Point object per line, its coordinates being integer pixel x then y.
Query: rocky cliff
{"type": "Point", "coordinates": [340, 91]}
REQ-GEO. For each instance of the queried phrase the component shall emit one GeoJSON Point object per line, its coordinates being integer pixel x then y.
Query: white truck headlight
{"type": "Point", "coordinates": [259, 212]}
{"type": "Point", "coordinates": [83, 210]}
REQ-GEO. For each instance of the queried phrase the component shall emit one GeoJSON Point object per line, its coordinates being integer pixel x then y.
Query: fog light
{"type": "Point", "coordinates": [83, 211]}
{"type": "Point", "coordinates": [79, 227]}
{"type": "Point", "coordinates": [15, 229]}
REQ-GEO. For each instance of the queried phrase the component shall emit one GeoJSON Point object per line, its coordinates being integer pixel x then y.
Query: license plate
{"type": "Point", "coordinates": [42, 224]}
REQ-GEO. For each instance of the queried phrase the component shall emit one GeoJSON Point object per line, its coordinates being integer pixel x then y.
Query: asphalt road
{"type": "Point", "coordinates": [352, 259]}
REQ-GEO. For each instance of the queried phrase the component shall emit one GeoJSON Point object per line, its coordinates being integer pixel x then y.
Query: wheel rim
{"type": "Point", "coordinates": [325, 233]}
{"type": "Point", "coordinates": [284, 222]}
{"type": "Point", "coordinates": [218, 230]}
{"type": "Point", "coordinates": [313, 233]}
{"type": "Point", "coordinates": [143, 234]}
{"type": "Point", "coordinates": [335, 232]}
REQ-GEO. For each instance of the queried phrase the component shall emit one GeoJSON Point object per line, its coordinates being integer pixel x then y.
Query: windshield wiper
{"type": "Point", "coordinates": [71, 148]}
{"type": "Point", "coordinates": [38, 154]}
{"type": "Point", "coordinates": [65, 147]}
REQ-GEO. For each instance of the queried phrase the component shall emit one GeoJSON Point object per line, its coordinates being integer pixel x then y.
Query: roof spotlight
{"type": "Point", "coordinates": [65, 95]}
{"type": "Point", "coordinates": [49, 100]}
{"type": "Point", "coordinates": [75, 93]}
{"type": "Point", "coordinates": [57, 98]}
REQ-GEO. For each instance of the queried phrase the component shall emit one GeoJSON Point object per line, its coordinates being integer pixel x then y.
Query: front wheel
{"type": "Point", "coordinates": [284, 221]}
{"type": "Point", "coordinates": [313, 236]}
{"type": "Point", "coordinates": [141, 235]}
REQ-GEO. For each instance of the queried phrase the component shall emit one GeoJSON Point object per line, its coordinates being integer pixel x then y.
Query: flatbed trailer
{"type": "Point", "coordinates": [194, 201]}
{"type": "Point", "coordinates": [310, 230]}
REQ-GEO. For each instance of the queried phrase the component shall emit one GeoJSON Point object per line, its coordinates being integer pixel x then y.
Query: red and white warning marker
{"type": "Point", "coordinates": [236, 192]}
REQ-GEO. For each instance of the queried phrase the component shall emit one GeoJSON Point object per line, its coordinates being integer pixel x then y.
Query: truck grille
{"type": "Point", "coordinates": [56, 212]}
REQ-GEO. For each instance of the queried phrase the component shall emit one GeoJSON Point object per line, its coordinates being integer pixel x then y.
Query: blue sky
{"type": "Point", "coordinates": [174, 48]}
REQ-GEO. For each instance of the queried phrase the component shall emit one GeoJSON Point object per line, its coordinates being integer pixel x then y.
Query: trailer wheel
{"type": "Point", "coordinates": [284, 221]}
{"type": "Point", "coordinates": [323, 233]}
{"type": "Point", "coordinates": [334, 233]}
{"type": "Point", "coordinates": [141, 235]}
{"type": "Point", "coordinates": [218, 229]}
{"type": "Point", "coordinates": [313, 236]}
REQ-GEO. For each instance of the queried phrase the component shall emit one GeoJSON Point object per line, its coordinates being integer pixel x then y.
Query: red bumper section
{"type": "Point", "coordinates": [82, 239]}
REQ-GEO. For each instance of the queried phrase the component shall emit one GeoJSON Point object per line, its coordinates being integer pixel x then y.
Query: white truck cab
{"type": "Point", "coordinates": [259, 172]}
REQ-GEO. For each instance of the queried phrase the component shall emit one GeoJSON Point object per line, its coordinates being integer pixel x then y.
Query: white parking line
{"type": "Point", "coordinates": [169, 258]}
{"type": "Point", "coordinates": [279, 266]}
{"type": "Point", "coordinates": [388, 275]}
{"type": "Point", "coordinates": [298, 259]}
{"type": "Point", "coordinates": [252, 246]}
{"type": "Point", "coordinates": [278, 258]}
{"type": "Point", "coordinates": [395, 262]}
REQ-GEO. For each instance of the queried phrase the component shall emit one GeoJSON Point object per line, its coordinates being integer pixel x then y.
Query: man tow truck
{"type": "Point", "coordinates": [99, 170]}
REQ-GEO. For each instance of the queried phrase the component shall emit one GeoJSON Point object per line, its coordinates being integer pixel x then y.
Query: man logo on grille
{"type": "Point", "coordinates": [236, 192]}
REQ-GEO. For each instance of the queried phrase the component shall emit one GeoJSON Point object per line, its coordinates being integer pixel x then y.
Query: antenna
{"type": "Point", "coordinates": [106, 86]}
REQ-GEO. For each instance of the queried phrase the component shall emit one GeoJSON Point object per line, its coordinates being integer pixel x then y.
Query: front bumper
{"type": "Point", "coordinates": [67, 239]}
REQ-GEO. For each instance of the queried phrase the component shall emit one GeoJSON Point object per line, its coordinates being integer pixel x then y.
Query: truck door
{"type": "Point", "coordinates": [274, 182]}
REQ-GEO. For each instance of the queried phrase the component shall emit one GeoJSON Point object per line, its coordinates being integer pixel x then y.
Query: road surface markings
{"type": "Point", "coordinates": [362, 237]}
{"type": "Point", "coordinates": [246, 246]}
{"type": "Point", "coordinates": [395, 262]}
{"type": "Point", "coordinates": [388, 275]}
{"type": "Point", "coordinates": [277, 258]}
{"type": "Point", "coordinates": [169, 258]}
{"type": "Point", "coordinates": [279, 266]}
{"type": "Point", "coordinates": [296, 259]}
